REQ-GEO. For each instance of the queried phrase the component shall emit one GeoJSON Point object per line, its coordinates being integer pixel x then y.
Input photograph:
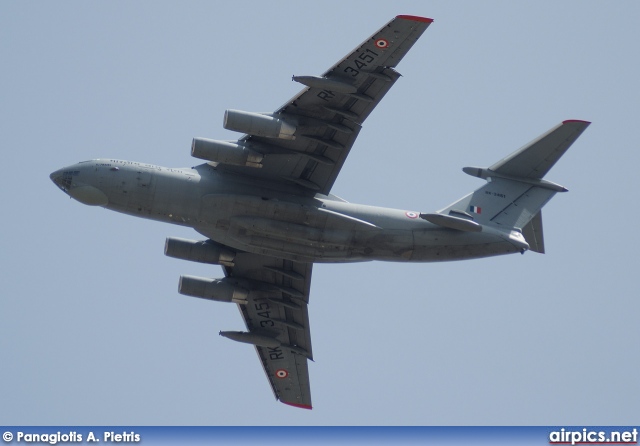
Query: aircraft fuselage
{"type": "Point", "coordinates": [272, 219]}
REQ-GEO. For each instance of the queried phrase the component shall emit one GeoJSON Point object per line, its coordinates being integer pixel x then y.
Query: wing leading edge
{"type": "Point", "coordinates": [329, 112]}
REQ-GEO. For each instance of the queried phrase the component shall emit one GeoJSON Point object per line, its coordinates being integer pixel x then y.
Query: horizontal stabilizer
{"type": "Point", "coordinates": [535, 159]}
{"type": "Point", "coordinates": [487, 173]}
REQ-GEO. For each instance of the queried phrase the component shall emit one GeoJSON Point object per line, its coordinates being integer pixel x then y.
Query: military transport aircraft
{"type": "Point", "coordinates": [265, 206]}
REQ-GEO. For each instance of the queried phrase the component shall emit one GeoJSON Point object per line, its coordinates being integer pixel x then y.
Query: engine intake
{"type": "Point", "coordinates": [221, 290]}
{"type": "Point", "coordinates": [204, 251]}
{"type": "Point", "coordinates": [225, 152]}
{"type": "Point", "coordinates": [258, 124]}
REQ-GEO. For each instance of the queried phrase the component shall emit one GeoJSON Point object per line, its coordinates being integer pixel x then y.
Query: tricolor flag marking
{"type": "Point", "coordinates": [475, 209]}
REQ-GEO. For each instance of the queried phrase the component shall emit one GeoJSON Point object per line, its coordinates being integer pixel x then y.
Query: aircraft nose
{"type": "Point", "coordinates": [68, 181]}
{"type": "Point", "coordinates": [58, 179]}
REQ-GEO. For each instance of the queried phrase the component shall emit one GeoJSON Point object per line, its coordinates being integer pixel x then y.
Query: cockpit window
{"type": "Point", "coordinates": [66, 180]}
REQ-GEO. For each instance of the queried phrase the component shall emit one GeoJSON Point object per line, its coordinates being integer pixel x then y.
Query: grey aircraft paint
{"type": "Point", "coordinates": [263, 203]}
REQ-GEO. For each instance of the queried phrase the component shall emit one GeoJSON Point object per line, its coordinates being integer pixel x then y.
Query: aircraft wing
{"type": "Point", "coordinates": [277, 309]}
{"type": "Point", "coordinates": [329, 112]}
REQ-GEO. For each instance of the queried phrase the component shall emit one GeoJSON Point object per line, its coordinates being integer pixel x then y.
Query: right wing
{"type": "Point", "coordinates": [276, 313]}
{"type": "Point", "coordinates": [328, 114]}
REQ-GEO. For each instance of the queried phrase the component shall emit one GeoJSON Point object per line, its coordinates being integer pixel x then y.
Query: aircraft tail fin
{"type": "Point", "coordinates": [515, 192]}
{"type": "Point", "coordinates": [533, 234]}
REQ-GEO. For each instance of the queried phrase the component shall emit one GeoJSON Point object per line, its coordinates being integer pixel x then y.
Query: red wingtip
{"type": "Point", "coordinates": [301, 406]}
{"type": "Point", "coordinates": [415, 18]}
{"type": "Point", "coordinates": [575, 120]}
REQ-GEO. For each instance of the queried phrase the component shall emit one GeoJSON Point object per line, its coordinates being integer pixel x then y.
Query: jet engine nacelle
{"type": "Point", "coordinates": [225, 152]}
{"type": "Point", "coordinates": [221, 290]}
{"type": "Point", "coordinates": [205, 251]}
{"type": "Point", "coordinates": [258, 124]}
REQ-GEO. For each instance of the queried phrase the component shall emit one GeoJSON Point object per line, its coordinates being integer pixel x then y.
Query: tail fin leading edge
{"type": "Point", "coordinates": [515, 191]}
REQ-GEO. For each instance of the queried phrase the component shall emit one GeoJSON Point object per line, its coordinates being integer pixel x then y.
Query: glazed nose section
{"type": "Point", "coordinates": [59, 180]}
{"type": "Point", "coordinates": [69, 183]}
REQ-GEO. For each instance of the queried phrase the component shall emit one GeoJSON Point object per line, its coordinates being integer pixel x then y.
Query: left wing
{"type": "Point", "coordinates": [324, 119]}
{"type": "Point", "coordinates": [277, 322]}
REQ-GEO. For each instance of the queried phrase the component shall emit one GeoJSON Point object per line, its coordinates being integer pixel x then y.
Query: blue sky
{"type": "Point", "coordinates": [92, 329]}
